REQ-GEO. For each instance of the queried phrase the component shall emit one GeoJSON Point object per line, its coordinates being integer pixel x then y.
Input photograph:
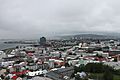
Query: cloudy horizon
{"type": "Point", "coordinates": [34, 18]}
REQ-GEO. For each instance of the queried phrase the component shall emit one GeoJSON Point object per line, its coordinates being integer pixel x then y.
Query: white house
{"type": "Point", "coordinates": [36, 73]}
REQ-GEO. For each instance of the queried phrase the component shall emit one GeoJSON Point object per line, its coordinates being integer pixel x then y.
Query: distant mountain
{"type": "Point", "coordinates": [89, 36]}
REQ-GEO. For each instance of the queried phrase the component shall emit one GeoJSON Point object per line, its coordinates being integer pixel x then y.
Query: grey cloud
{"type": "Point", "coordinates": [32, 18]}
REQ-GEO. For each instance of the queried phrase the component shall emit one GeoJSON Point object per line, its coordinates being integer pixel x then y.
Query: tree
{"type": "Point", "coordinates": [77, 77]}
{"type": "Point", "coordinates": [94, 67]}
{"type": "Point", "coordinates": [115, 59]}
{"type": "Point", "coordinates": [72, 76]}
{"type": "Point", "coordinates": [2, 76]}
{"type": "Point", "coordinates": [7, 78]}
{"type": "Point", "coordinates": [67, 65]}
{"type": "Point", "coordinates": [107, 75]}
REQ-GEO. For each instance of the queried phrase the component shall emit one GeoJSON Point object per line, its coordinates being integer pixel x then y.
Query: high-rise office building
{"type": "Point", "coordinates": [42, 41]}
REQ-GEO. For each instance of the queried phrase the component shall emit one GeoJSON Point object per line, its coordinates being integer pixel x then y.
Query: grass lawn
{"type": "Point", "coordinates": [100, 75]}
{"type": "Point", "coordinates": [116, 77]}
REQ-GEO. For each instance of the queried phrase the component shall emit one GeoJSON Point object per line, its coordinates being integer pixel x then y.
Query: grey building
{"type": "Point", "coordinates": [42, 41]}
{"type": "Point", "coordinates": [60, 73]}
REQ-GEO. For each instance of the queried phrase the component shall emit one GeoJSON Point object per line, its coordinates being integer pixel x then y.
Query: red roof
{"type": "Point", "coordinates": [20, 73]}
{"type": "Point", "coordinates": [96, 58]}
{"type": "Point", "coordinates": [30, 54]}
{"type": "Point", "coordinates": [14, 77]}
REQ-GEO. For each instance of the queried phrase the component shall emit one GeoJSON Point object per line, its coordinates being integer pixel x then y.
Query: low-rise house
{"type": "Point", "coordinates": [40, 78]}
{"type": "Point", "coordinates": [73, 62]}
{"type": "Point", "coordinates": [21, 72]}
{"type": "Point", "coordinates": [13, 58]}
{"type": "Point", "coordinates": [2, 55]}
{"type": "Point", "coordinates": [2, 71]}
{"type": "Point", "coordinates": [115, 65]}
{"type": "Point", "coordinates": [36, 73]}
{"type": "Point", "coordinates": [60, 73]}
{"type": "Point", "coordinates": [7, 63]}
{"type": "Point", "coordinates": [33, 66]}
{"type": "Point", "coordinates": [82, 74]}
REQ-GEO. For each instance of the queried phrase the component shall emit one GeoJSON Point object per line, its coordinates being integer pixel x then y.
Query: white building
{"type": "Point", "coordinates": [2, 55]}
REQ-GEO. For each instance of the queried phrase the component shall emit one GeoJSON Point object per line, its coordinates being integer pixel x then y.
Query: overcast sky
{"type": "Point", "coordinates": [34, 18]}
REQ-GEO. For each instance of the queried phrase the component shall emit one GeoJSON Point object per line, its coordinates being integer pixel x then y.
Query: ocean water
{"type": "Point", "coordinates": [6, 46]}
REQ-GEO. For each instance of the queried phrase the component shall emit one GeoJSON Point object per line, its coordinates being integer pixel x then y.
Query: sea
{"type": "Point", "coordinates": [6, 46]}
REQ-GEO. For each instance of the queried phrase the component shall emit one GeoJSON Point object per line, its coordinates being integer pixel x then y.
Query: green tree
{"type": "Point", "coordinates": [94, 67]}
{"type": "Point", "coordinates": [7, 78]}
{"type": "Point", "coordinates": [2, 76]}
{"type": "Point", "coordinates": [77, 77]}
{"type": "Point", "coordinates": [108, 75]}
{"type": "Point", "coordinates": [67, 65]}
